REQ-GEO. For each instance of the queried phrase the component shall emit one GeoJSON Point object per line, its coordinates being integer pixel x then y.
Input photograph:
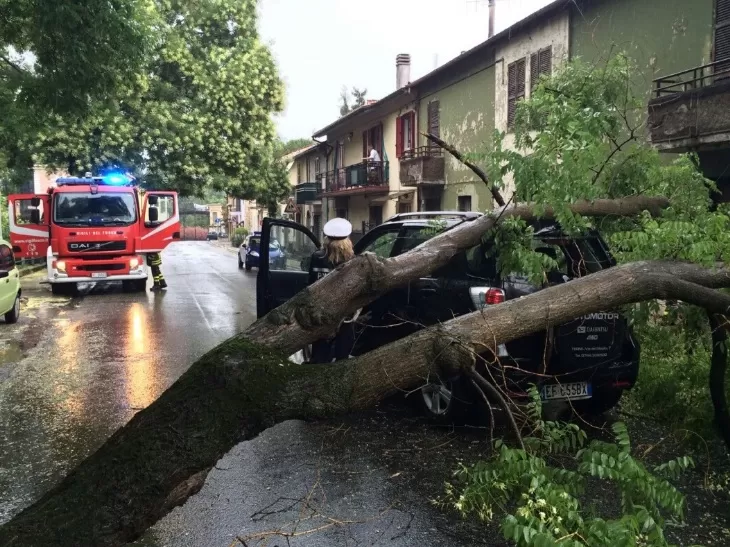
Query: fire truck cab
{"type": "Point", "coordinates": [93, 229]}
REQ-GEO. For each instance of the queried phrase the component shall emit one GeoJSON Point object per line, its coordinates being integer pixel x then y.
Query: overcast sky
{"type": "Point", "coordinates": [321, 45]}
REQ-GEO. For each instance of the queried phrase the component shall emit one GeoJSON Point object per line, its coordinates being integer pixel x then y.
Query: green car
{"type": "Point", "coordinates": [9, 284]}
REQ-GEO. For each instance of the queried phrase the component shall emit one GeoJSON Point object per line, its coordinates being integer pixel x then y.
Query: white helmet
{"type": "Point", "coordinates": [337, 228]}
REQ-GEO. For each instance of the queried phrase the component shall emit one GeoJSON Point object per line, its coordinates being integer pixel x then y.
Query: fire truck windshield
{"type": "Point", "coordinates": [82, 209]}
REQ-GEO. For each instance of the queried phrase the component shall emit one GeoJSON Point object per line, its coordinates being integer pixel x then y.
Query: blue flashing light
{"type": "Point", "coordinates": [115, 179]}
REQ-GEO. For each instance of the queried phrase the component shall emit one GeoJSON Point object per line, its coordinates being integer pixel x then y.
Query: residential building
{"type": "Point", "coordinates": [689, 110]}
{"type": "Point", "coordinates": [216, 217]}
{"type": "Point", "coordinates": [306, 175]}
{"type": "Point", "coordinates": [467, 99]}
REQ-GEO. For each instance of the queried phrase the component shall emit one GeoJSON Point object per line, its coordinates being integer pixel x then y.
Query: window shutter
{"type": "Point", "coordinates": [722, 37]}
{"type": "Point", "coordinates": [413, 129]}
{"type": "Point", "coordinates": [545, 60]}
{"type": "Point", "coordinates": [534, 70]}
{"type": "Point", "coordinates": [364, 144]}
{"type": "Point", "coordinates": [399, 136]}
{"type": "Point", "coordinates": [434, 118]}
{"type": "Point", "coordinates": [511, 93]}
{"type": "Point", "coordinates": [515, 88]}
{"type": "Point", "coordinates": [521, 78]}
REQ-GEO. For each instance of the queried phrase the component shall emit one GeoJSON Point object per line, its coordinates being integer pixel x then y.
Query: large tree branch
{"type": "Point", "coordinates": [316, 312]}
{"type": "Point", "coordinates": [12, 65]}
{"type": "Point", "coordinates": [496, 195]}
{"type": "Point", "coordinates": [241, 388]}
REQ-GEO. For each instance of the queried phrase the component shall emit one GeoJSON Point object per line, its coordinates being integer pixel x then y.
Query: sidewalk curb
{"type": "Point", "coordinates": [28, 270]}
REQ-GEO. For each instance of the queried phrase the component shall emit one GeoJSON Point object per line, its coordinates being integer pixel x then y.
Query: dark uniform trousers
{"type": "Point", "coordinates": [323, 351]}
{"type": "Point", "coordinates": [154, 261]}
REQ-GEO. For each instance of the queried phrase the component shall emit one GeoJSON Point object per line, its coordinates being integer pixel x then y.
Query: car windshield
{"type": "Point", "coordinates": [254, 243]}
{"type": "Point", "coordinates": [82, 209]}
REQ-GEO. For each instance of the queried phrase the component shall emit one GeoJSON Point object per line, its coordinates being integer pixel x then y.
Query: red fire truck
{"type": "Point", "coordinates": [93, 229]}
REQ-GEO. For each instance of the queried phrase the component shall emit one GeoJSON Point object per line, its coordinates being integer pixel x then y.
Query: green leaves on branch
{"type": "Point", "coordinates": [197, 111]}
{"type": "Point", "coordinates": [541, 503]}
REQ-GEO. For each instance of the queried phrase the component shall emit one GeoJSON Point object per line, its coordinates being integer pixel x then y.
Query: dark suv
{"type": "Point", "coordinates": [589, 361]}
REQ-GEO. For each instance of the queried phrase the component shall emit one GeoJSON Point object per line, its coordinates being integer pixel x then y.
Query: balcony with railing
{"type": "Point", "coordinates": [306, 192]}
{"type": "Point", "coordinates": [690, 110]}
{"type": "Point", "coordinates": [367, 177]}
{"type": "Point", "coordinates": [422, 165]}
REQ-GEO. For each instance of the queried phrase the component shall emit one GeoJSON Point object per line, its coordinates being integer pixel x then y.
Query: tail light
{"type": "Point", "coordinates": [486, 296]}
{"type": "Point", "coordinates": [482, 297]}
{"type": "Point", "coordinates": [493, 296]}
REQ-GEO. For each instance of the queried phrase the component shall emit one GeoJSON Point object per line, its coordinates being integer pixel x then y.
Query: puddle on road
{"type": "Point", "coordinates": [10, 351]}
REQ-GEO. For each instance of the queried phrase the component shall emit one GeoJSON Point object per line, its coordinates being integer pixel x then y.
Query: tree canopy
{"type": "Point", "coordinates": [195, 111]}
{"type": "Point", "coordinates": [358, 99]}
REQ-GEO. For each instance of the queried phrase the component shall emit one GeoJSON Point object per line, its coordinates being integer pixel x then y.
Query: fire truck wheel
{"type": "Point", "coordinates": [134, 285]}
{"type": "Point", "coordinates": [65, 289]}
{"type": "Point", "coordinates": [13, 315]}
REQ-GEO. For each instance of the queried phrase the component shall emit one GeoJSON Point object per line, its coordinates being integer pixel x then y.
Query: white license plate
{"type": "Point", "coordinates": [98, 275]}
{"type": "Point", "coordinates": [572, 392]}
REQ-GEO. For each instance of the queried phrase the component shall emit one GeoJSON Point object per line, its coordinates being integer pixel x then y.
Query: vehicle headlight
{"type": "Point", "coordinates": [254, 253]}
{"type": "Point", "coordinates": [60, 265]}
{"type": "Point", "coordinates": [133, 263]}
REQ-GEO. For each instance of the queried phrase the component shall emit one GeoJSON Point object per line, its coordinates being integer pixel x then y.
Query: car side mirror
{"type": "Point", "coordinates": [154, 214]}
{"type": "Point", "coordinates": [152, 200]}
{"type": "Point", "coordinates": [35, 202]}
{"type": "Point", "coordinates": [35, 216]}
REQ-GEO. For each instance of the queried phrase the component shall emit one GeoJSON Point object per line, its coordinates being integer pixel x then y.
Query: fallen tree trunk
{"type": "Point", "coordinates": [241, 387]}
{"type": "Point", "coordinates": [317, 311]}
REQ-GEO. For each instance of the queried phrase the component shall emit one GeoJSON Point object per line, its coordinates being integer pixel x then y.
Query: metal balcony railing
{"type": "Point", "coordinates": [364, 175]}
{"type": "Point", "coordinates": [422, 152]}
{"type": "Point", "coordinates": [306, 191]}
{"type": "Point", "coordinates": [694, 78]}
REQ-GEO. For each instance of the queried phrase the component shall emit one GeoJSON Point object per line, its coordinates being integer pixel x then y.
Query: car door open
{"type": "Point", "coordinates": [285, 252]}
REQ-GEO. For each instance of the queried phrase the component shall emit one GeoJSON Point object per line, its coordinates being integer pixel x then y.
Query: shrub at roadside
{"type": "Point", "coordinates": [675, 368]}
{"type": "Point", "coordinates": [541, 502]}
{"type": "Point", "coordinates": [239, 234]}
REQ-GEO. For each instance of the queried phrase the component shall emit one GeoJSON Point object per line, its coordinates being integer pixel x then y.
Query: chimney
{"type": "Point", "coordinates": [402, 70]}
{"type": "Point", "coordinates": [491, 19]}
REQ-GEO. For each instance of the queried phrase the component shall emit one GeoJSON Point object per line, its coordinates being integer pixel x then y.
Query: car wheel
{"type": "Point", "coordinates": [444, 401]}
{"type": "Point", "coordinates": [240, 263]}
{"type": "Point", "coordinates": [601, 402]}
{"type": "Point", "coordinates": [248, 267]}
{"type": "Point", "coordinates": [13, 315]}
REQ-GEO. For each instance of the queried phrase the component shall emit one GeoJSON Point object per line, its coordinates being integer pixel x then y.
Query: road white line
{"type": "Point", "coordinates": [200, 308]}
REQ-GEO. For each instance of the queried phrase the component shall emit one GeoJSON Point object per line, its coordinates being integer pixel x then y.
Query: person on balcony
{"type": "Point", "coordinates": [373, 162]}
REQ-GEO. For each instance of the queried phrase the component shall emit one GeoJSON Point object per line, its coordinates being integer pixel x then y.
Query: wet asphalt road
{"type": "Point", "coordinates": [90, 363]}
{"type": "Point", "coordinates": [74, 371]}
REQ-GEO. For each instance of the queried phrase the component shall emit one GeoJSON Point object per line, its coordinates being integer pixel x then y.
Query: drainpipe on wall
{"type": "Point", "coordinates": [491, 19]}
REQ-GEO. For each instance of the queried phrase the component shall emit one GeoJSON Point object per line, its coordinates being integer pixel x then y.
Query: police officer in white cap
{"type": "Point", "coordinates": [337, 249]}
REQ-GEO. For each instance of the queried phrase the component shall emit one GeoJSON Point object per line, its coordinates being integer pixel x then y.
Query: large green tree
{"type": "Point", "coordinates": [197, 113]}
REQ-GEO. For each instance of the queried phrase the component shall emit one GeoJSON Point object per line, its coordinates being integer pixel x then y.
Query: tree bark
{"type": "Point", "coordinates": [316, 312]}
{"type": "Point", "coordinates": [242, 387]}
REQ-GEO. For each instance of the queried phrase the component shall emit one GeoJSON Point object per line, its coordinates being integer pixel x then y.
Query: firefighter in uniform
{"type": "Point", "coordinates": [154, 261]}
{"type": "Point", "coordinates": [337, 249]}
